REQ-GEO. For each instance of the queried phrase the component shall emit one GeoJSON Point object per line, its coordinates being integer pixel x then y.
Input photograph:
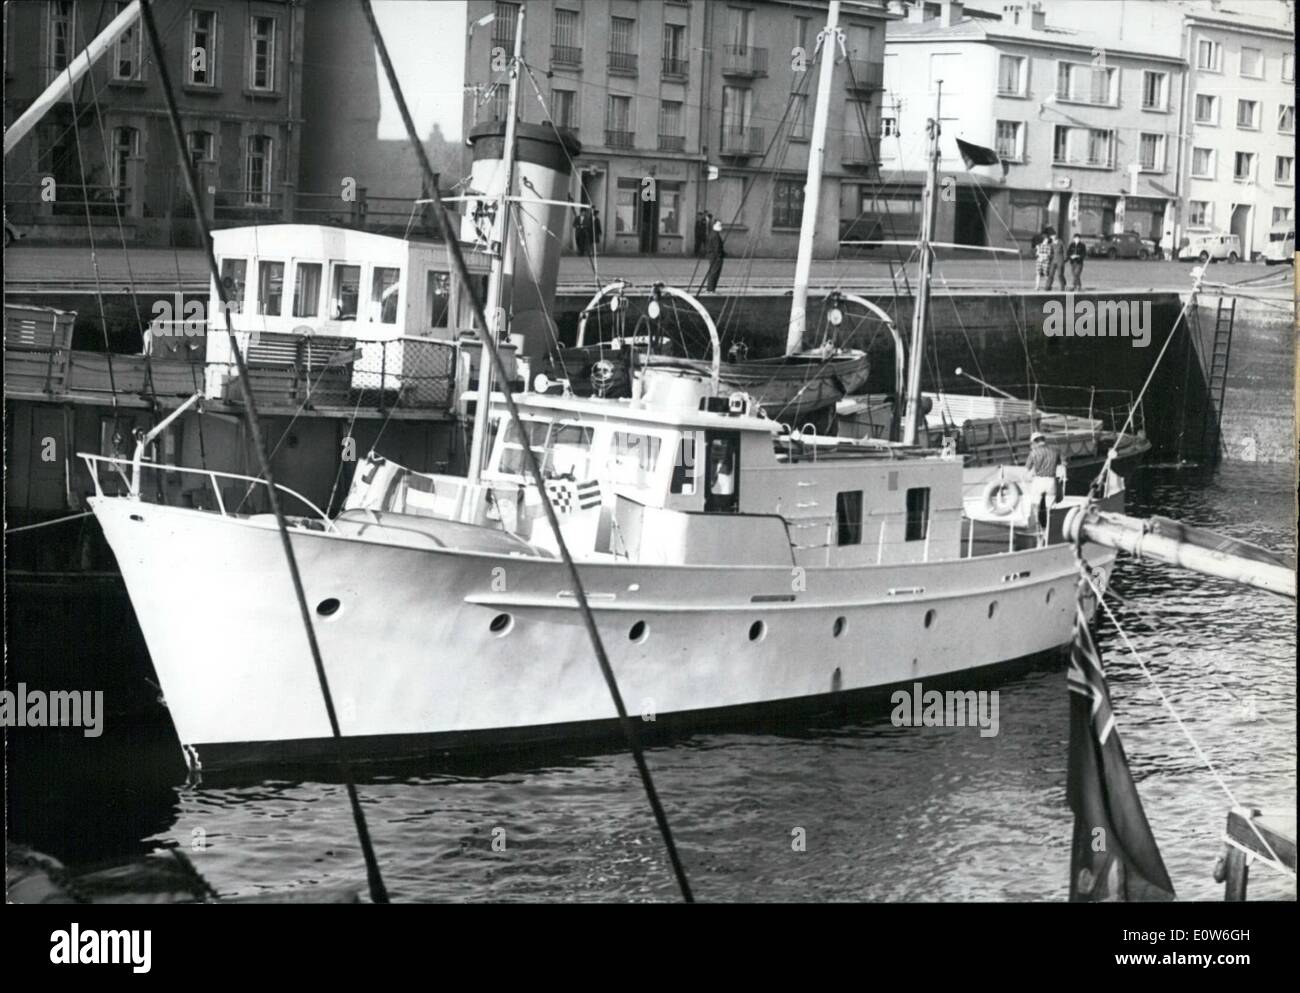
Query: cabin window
{"type": "Point", "coordinates": [722, 484]}
{"type": "Point", "coordinates": [233, 273]}
{"type": "Point", "coordinates": [438, 292]}
{"type": "Point", "coordinates": [270, 288]}
{"type": "Point", "coordinates": [306, 290]}
{"type": "Point", "coordinates": [345, 290]}
{"type": "Point", "coordinates": [561, 450]}
{"type": "Point", "coordinates": [632, 458]}
{"type": "Point", "coordinates": [385, 290]}
{"type": "Point", "coordinates": [683, 481]}
{"type": "Point", "coordinates": [918, 513]}
{"type": "Point", "coordinates": [848, 517]}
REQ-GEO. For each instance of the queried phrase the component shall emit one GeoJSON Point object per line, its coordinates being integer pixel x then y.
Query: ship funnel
{"type": "Point", "coordinates": [543, 169]}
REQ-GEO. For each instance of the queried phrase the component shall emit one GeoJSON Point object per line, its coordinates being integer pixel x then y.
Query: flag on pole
{"type": "Point", "coordinates": [976, 155]}
{"type": "Point", "coordinates": [1114, 857]}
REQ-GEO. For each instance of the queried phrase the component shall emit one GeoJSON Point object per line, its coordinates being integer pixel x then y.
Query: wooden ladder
{"type": "Point", "coordinates": [1216, 376]}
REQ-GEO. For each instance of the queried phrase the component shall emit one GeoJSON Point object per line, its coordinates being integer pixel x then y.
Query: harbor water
{"type": "Point", "coordinates": [861, 810]}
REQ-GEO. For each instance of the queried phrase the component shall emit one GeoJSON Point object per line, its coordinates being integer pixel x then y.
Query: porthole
{"type": "Point", "coordinates": [328, 607]}
{"type": "Point", "coordinates": [993, 609]}
{"type": "Point", "coordinates": [838, 627]}
{"type": "Point", "coordinates": [757, 630]}
{"type": "Point", "coordinates": [638, 632]}
{"type": "Point", "coordinates": [930, 615]}
{"type": "Point", "coordinates": [501, 625]}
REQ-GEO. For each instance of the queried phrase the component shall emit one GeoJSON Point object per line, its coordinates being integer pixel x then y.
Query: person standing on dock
{"type": "Point", "coordinates": [594, 232]}
{"type": "Point", "coordinates": [1043, 259]}
{"type": "Point", "coordinates": [1075, 255]}
{"type": "Point", "coordinates": [1045, 465]}
{"type": "Point", "coordinates": [1056, 268]}
{"type": "Point", "coordinates": [581, 225]}
{"type": "Point", "coordinates": [715, 252]}
{"type": "Point", "coordinates": [701, 233]}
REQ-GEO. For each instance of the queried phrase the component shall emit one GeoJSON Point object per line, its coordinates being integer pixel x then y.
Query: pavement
{"type": "Point", "coordinates": [35, 269]}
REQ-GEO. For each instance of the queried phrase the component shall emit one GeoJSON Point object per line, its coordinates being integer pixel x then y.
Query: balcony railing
{"type": "Point", "coordinates": [1089, 98]}
{"type": "Point", "coordinates": [742, 141]}
{"type": "Point", "coordinates": [622, 63]}
{"type": "Point", "coordinates": [861, 74]}
{"type": "Point", "coordinates": [1086, 160]}
{"type": "Point", "coordinates": [675, 67]}
{"type": "Point", "coordinates": [744, 60]}
{"type": "Point", "coordinates": [859, 152]}
{"type": "Point", "coordinates": [672, 143]}
{"type": "Point", "coordinates": [618, 139]}
{"type": "Point", "coordinates": [566, 55]}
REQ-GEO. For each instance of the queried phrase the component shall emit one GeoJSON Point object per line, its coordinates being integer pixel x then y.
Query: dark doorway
{"type": "Point", "coordinates": [648, 225]}
{"type": "Point", "coordinates": [968, 224]}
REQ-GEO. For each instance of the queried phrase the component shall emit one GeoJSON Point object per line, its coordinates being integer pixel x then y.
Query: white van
{"type": "Point", "coordinates": [1211, 248]}
{"type": "Point", "coordinates": [1281, 244]}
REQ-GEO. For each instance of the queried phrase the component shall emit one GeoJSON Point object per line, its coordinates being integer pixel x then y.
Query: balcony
{"type": "Point", "coordinates": [618, 139]}
{"type": "Point", "coordinates": [859, 152]}
{"type": "Point", "coordinates": [862, 76]}
{"type": "Point", "coordinates": [741, 142]}
{"type": "Point", "coordinates": [622, 63]}
{"type": "Point", "coordinates": [672, 143]}
{"type": "Point", "coordinates": [674, 68]}
{"type": "Point", "coordinates": [566, 55]}
{"type": "Point", "coordinates": [744, 61]}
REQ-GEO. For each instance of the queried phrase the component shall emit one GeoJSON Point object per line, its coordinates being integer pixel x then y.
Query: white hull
{"type": "Point", "coordinates": [410, 650]}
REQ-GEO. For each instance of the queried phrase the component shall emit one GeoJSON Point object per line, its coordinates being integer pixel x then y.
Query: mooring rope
{"type": "Point", "coordinates": [45, 524]}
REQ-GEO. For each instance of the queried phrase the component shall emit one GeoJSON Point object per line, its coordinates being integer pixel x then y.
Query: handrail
{"type": "Point", "coordinates": [212, 474]}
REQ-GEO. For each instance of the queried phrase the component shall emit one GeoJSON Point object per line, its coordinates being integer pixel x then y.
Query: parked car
{"type": "Point", "coordinates": [1127, 245]}
{"type": "Point", "coordinates": [1211, 248]}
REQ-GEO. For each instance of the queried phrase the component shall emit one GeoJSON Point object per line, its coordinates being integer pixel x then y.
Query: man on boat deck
{"type": "Point", "coordinates": [1046, 465]}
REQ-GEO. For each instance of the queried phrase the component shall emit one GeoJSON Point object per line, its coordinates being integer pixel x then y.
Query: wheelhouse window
{"type": "Point", "coordinates": [270, 288]}
{"type": "Point", "coordinates": [562, 450]}
{"type": "Point", "coordinates": [722, 483]}
{"type": "Point", "coordinates": [345, 291]}
{"type": "Point", "coordinates": [633, 458]}
{"type": "Point", "coordinates": [261, 53]}
{"type": "Point", "coordinates": [201, 68]}
{"type": "Point", "coordinates": [848, 518]}
{"type": "Point", "coordinates": [306, 290]}
{"type": "Point", "coordinates": [233, 273]}
{"type": "Point", "coordinates": [438, 298]}
{"type": "Point", "coordinates": [385, 291]}
{"type": "Point", "coordinates": [127, 51]}
{"type": "Point", "coordinates": [918, 513]}
{"type": "Point", "coordinates": [257, 172]}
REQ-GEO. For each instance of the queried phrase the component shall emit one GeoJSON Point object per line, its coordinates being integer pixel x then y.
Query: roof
{"type": "Point", "coordinates": [992, 32]}
{"type": "Point", "coordinates": [637, 412]}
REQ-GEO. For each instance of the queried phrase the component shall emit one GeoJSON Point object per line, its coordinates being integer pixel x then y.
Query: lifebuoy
{"type": "Point", "coordinates": [1002, 497]}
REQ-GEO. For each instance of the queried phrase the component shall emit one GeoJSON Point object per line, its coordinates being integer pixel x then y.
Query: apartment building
{"type": "Point", "coordinates": [712, 102]}
{"type": "Point", "coordinates": [1237, 154]}
{"type": "Point", "coordinates": [107, 151]}
{"type": "Point", "coordinates": [1086, 129]}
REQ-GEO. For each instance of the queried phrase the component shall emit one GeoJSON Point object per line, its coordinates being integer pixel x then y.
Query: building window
{"type": "Point", "coordinates": [1011, 76]}
{"type": "Point", "coordinates": [670, 208]}
{"type": "Point", "coordinates": [737, 103]}
{"type": "Point", "coordinates": [564, 108]}
{"type": "Point", "coordinates": [1252, 63]}
{"type": "Point", "coordinates": [618, 122]}
{"type": "Point", "coordinates": [1288, 67]}
{"type": "Point", "coordinates": [848, 518]}
{"type": "Point", "coordinates": [1281, 215]}
{"type": "Point", "coordinates": [675, 51]}
{"type": "Point", "coordinates": [1284, 170]}
{"type": "Point", "coordinates": [127, 51]}
{"type": "Point", "coordinates": [800, 128]}
{"type": "Point", "coordinates": [1199, 213]}
{"type": "Point", "coordinates": [1209, 55]}
{"type": "Point", "coordinates": [1248, 114]}
{"type": "Point", "coordinates": [1207, 109]}
{"type": "Point", "coordinates": [918, 513]}
{"type": "Point", "coordinates": [671, 134]}
{"type": "Point", "coordinates": [889, 127]}
{"type": "Point", "coordinates": [787, 203]}
{"type": "Point", "coordinates": [1092, 147]}
{"type": "Point", "coordinates": [1009, 140]}
{"type": "Point", "coordinates": [499, 101]}
{"type": "Point", "coordinates": [1151, 152]}
{"type": "Point", "coordinates": [63, 15]}
{"type": "Point", "coordinates": [257, 172]}
{"type": "Point", "coordinates": [566, 49]}
{"type": "Point", "coordinates": [385, 294]}
{"type": "Point", "coordinates": [345, 291]}
{"type": "Point", "coordinates": [622, 45]}
{"type": "Point", "coordinates": [270, 288]}
{"type": "Point", "coordinates": [504, 27]}
{"type": "Point", "coordinates": [306, 290]}
{"type": "Point", "coordinates": [202, 147]}
{"type": "Point", "coordinates": [233, 275]}
{"type": "Point", "coordinates": [801, 35]}
{"type": "Point", "coordinates": [1286, 118]}
{"type": "Point", "coordinates": [1155, 90]}
{"type": "Point", "coordinates": [742, 28]}
{"type": "Point", "coordinates": [627, 203]}
{"type": "Point", "coordinates": [1079, 83]}
{"type": "Point", "coordinates": [1203, 163]}
{"type": "Point", "coordinates": [201, 68]}
{"type": "Point", "coordinates": [126, 146]}
{"type": "Point", "coordinates": [1243, 166]}
{"type": "Point", "coordinates": [261, 54]}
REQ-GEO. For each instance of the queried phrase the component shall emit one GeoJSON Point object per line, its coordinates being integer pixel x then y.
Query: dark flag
{"type": "Point", "coordinates": [976, 155]}
{"type": "Point", "coordinates": [1114, 855]}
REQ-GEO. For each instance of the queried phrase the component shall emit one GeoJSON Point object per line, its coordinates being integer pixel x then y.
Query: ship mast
{"type": "Point", "coordinates": [921, 311]}
{"type": "Point", "coordinates": [813, 185]}
{"type": "Point", "coordinates": [502, 260]}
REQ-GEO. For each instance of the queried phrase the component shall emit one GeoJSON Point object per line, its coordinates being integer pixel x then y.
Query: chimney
{"type": "Point", "coordinates": [916, 12]}
{"type": "Point", "coordinates": [950, 13]}
{"type": "Point", "coordinates": [1037, 19]}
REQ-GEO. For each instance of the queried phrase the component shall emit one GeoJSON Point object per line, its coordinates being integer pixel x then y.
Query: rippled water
{"type": "Point", "coordinates": [886, 814]}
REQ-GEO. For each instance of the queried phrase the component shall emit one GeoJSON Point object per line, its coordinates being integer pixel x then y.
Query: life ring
{"type": "Point", "coordinates": [1002, 497]}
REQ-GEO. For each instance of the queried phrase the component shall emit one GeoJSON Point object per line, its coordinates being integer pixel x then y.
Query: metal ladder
{"type": "Point", "coordinates": [1216, 376]}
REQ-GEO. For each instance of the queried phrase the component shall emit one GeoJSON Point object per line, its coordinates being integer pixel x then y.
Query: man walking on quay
{"type": "Point", "coordinates": [701, 233]}
{"type": "Point", "coordinates": [1075, 255]}
{"type": "Point", "coordinates": [1043, 260]}
{"type": "Point", "coordinates": [715, 253]}
{"type": "Point", "coordinates": [1056, 269]}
